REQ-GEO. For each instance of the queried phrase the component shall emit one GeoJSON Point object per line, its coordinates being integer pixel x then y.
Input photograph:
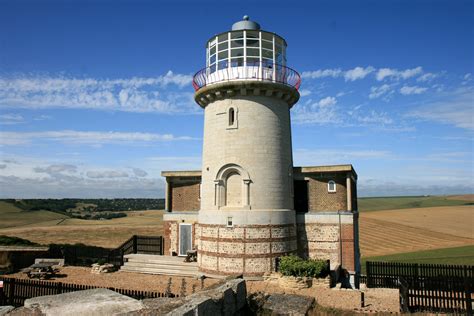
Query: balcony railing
{"type": "Point", "coordinates": [250, 72]}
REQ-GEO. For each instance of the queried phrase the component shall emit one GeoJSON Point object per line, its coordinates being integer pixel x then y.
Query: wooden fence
{"type": "Point", "coordinates": [16, 291]}
{"type": "Point", "coordinates": [86, 255]}
{"type": "Point", "coordinates": [426, 287]}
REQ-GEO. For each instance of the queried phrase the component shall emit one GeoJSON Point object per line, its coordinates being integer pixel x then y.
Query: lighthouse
{"type": "Point", "coordinates": [246, 218]}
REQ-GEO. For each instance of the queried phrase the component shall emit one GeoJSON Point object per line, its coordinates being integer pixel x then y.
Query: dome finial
{"type": "Point", "coordinates": [245, 18]}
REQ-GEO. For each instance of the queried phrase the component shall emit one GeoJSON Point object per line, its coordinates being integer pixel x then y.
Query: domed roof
{"type": "Point", "coordinates": [245, 24]}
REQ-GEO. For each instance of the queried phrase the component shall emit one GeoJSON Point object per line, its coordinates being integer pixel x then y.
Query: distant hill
{"type": "Point", "coordinates": [370, 204]}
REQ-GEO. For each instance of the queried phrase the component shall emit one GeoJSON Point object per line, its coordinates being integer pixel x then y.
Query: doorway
{"type": "Point", "coordinates": [185, 238]}
{"type": "Point", "coordinates": [301, 196]}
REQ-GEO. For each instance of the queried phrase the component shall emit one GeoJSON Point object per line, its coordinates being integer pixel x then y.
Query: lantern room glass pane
{"type": "Point", "coordinates": [238, 34]}
{"type": "Point", "coordinates": [213, 59]}
{"type": "Point", "coordinates": [223, 64]}
{"type": "Point", "coordinates": [236, 44]}
{"type": "Point", "coordinates": [213, 50]}
{"type": "Point", "coordinates": [253, 61]}
{"type": "Point", "coordinates": [237, 62]}
{"type": "Point", "coordinates": [267, 53]}
{"type": "Point", "coordinates": [253, 52]}
{"type": "Point", "coordinates": [267, 36]}
{"type": "Point", "coordinates": [237, 52]}
{"type": "Point", "coordinates": [267, 45]}
{"type": "Point", "coordinates": [223, 45]}
{"type": "Point", "coordinates": [222, 37]}
{"type": "Point", "coordinates": [223, 55]}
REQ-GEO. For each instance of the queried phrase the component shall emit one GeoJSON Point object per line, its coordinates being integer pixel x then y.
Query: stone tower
{"type": "Point", "coordinates": [247, 216]}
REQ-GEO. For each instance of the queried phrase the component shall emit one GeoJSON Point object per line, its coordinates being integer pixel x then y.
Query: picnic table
{"type": "Point", "coordinates": [42, 270]}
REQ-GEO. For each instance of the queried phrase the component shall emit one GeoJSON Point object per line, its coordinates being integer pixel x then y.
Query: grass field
{"type": "Point", "coordinates": [46, 227]}
{"type": "Point", "coordinates": [403, 202]}
{"type": "Point", "coordinates": [457, 255]}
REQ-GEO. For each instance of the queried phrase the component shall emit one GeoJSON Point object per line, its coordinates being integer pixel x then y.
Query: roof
{"type": "Point", "coordinates": [306, 169]}
{"type": "Point", "coordinates": [330, 168]}
{"type": "Point", "coordinates": [188, 173]}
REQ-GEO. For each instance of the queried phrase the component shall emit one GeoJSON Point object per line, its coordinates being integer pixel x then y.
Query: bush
{"type": "Point", "coordinates": [295, 266]}
{"type": "Point", "coordinates": [15, 241]}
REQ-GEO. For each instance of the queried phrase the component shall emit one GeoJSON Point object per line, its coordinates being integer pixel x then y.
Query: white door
{"type": "Point", "coordinates": [185, 238]}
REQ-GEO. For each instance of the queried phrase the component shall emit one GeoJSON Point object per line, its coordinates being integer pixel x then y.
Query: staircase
{"type": "Point", "coordinates": [156, 264]}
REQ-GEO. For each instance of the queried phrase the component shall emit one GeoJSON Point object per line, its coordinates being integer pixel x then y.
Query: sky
{"type": "Point", "coordinates": [96, 96]}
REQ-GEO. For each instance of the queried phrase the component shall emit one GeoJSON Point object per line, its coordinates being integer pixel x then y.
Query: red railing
{"type": "Point", "coordinates": [251, 72]}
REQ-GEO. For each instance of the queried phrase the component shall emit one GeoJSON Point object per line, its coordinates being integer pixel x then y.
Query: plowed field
{"type": "Point", "coordinates": [408, 230]}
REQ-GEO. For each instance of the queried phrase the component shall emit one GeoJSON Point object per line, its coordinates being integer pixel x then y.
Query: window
{"type": "Point", "coordinates": [331, 186]}
{"type": "Point", "coordinates": [229, 222]}
{"type": "Point", "coordinates": [231, 116]}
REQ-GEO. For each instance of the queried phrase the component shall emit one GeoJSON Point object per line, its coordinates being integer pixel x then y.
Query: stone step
{"type": "Point", "coordinates": [182, 273]}
{"type": "Point", "coordinates": [165, 260]}
{"type": "Point", "coordinates": [160, 266]}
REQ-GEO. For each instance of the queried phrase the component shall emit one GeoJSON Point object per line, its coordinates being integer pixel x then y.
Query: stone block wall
{"type": "Point", "coordinates": [249, 249]}
{"type": "Point", "coordinates": [329, 236]}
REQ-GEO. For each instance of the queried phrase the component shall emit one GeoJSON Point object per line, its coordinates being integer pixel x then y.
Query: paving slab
{"type": "Point", "coordinates": [96, 302]}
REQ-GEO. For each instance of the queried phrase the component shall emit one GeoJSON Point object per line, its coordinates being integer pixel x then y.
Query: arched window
{"type": "Point", "coordinates": [231, 116]}
{"type": "Point", "coordinates": [331, 186]}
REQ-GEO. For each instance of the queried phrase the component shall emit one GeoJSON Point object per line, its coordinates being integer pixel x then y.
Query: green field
{"type": "Point", "coordinates": [11, 216]}
{"type": "Point", "coordinates": [404, 202]}
{"type": "Point", "coordinates": [458, 255]}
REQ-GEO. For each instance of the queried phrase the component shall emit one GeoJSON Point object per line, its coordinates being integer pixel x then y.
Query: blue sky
{"type": "Point", "coordinates": [96, 96]}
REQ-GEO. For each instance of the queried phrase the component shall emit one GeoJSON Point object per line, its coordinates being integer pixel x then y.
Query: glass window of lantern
{"type": "Point", "coordinates": [267, 54]}
{"type": "Point", "coordinates": [267, 45]}
{"type": "Point", "coordinates": [212, 68]}
{"type": "Point", "coordinates": [223, 55]}
{"type": "Point", "coordinates": [223, 37]}
{"type": "Point", "coordinates": [222, 64]}
{"type": "Point", "coordinates": [212, 60]}
{"type": "Point", "coordinates": [253, 61]}
{"type": "Point", "coordinates": [267, 36]}
{"type": "Point", "coordinates": [237, 62]}
{"type": "Point", "coordinates": [237, 44]}
{"type": "Point", "coordinates": [223, 46]}
{"type": "Point", "coordinates": [254, 52]}
{"type": "Point", "coordinates": [237, 52]}
{"type": "Point", "coordinates": [213, 50]}
{"type": "Point", "coordinates": [238, 34]}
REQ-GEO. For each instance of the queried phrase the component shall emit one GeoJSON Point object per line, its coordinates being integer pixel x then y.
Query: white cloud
{"type": "Point", "coordinates": [316, 112]}
{"type": "Point", "coordinates": [408, 90]}
{"type": "Point", "coordinates": [86, 138]}
{"type": "Point", "coordinates": [322, 73]}
{"type": "Point", "coordinates": [304, 92]}
{"type": "Point", "coordinates": [375, 118]}
{"type": "Point", "coordinates": [358, 73]}
{"type": "Point", "coordinates": [3, 166]}
{"type": "Point", "coordinates": [163, 94]}
{"type": "Point", "coordinates": [327, 101]}
{"type": "Point", "coordinates": [98, 174]}
{"type": "Point", "coordinates": [310, 157]}
{"type": "Point", "coordinates": [57, 168]}
{"type": "Point", "coordinates": [426, 77]}
{"type": "Point", "coordinates": [383, 73]}
{"type": "Point", "coordinates": [455, 108]}
{"type": "Point", "coordinates": [376, 92]}
{"type": "Point", "coordinates": [11, 118]}
{"type": "Point", "coordinates": [139, 172]}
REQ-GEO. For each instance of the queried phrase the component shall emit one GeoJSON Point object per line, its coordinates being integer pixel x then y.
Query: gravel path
{"type": "Point", "coordinates": [376, 300]}
{"type": "Point", "coordinates": [380, 300]}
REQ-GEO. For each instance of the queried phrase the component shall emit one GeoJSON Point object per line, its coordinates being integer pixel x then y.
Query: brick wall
{"type": "Point", "coordinates": [320, 200]}
{"type": "Point", "coordinates": [184, 196]}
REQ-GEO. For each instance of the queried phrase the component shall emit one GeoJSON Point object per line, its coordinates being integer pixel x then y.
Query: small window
{"type": "Point", "coordinates": [331, 186]}
{"type": "Point", "coordinates": [231, 117]}
{"type": "Point", "coordinates": [229, 222]}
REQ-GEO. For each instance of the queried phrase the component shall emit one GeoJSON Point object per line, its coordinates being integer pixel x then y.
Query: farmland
{"type": "Point", "coordinates": [410, 202]}
{"type": "Point", "coordinates": [383, 232]}
{"type": "Point", "coordinates": [46, 227]}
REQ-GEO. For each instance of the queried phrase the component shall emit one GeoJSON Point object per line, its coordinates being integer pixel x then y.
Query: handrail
{"type": "Point", "coordinates": [258, 71]}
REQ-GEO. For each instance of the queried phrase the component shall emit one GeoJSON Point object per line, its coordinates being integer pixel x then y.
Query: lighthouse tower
{"type": "Point", "coordinates": [246, 218]}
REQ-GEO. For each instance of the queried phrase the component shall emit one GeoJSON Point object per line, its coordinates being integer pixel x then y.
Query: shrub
{"type": "Point", "coordinates": [295, 266]}
{"type": "Point", "coordinates": [15, 241]}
